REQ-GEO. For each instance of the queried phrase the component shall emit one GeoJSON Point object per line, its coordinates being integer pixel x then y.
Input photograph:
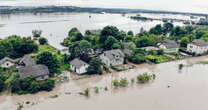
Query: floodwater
{"type": "Point", "coordinates": [55, 26]}
{"type": "Point", "coordinates": [172, 89]}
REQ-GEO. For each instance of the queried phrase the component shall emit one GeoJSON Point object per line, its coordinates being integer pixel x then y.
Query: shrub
{"type": "Point", "coordinates": [106, 88]}
{"type": "Point", "coordinates": [116, 83]}
{"type": "Point", "coordinates": [144, 78]}
{"type": "Point", "coordinates": [124, 82]}
{"type": "Point", "coordinates": [96, 90]}
{"type": "Point", "coordinates": [180, 66]}
{"type": "Point", "coordinates": [47, 85]}
{"type": "Point", "coordinates": [43, 41]}
{"type": "Point", "coordinates": [86, 92]}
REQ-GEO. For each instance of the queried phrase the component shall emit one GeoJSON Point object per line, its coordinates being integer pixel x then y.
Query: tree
{"type": "Point", "coordinates": [95, 66]}
{"type": "Point", "coordinates": [157, 30]}
{"type": "Point", "coordinates": [130, 33]}
{"type": "Point", "coordinates": [50, 60]}
{"type": "Point", "coordinates": [73, 32]}
{"type": "Point", "coordinates": [36, 33]}
{"type": "Point", "coordinates": [108, 31]}
{"type": "Point", "coordinates": [178, 32]}
{"type": "Point", "coordinates": [15, 46]}
{"type": "Point", "coordinates": [43, 41]}
{"type": "Point", "coordinates": [109, 42]}
{"type": "Point", "coordinates": [47, 85]}
{"type": "Point", "coordinates": [167, 27]}
{"type": "Point", "coordinates": [116, 46]}
{"type": "Point", "coordinates": [2, 84]}
{"type": "Point", "coordinates": [184, 41]}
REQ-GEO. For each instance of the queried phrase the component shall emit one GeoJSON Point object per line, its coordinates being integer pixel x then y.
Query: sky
{"type": "Point", "coordinates": [197, 6]}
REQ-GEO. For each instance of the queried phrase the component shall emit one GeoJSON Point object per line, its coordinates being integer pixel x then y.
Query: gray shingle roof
{"type": "Point", "coordinates": [27, 61]}
{"type": "Point", "coordinates": [200, 42]}
{"type": "Point", "coordinates": [78, 63]}
{"type": "Point", "coordinates": [6, 59]}
{"type": "Point", "coordinates": [114, 54]}
{"type": "Point", "coordinates": [35, 70]}
{"type": "Point", "coordinates": [169, 43]}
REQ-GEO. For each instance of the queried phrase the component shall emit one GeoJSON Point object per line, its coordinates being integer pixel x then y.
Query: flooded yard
{"type": "Point", "coordinates": [173, 89]}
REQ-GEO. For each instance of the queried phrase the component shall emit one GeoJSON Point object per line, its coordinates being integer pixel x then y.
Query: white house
{"type": "Point", "coordinates": [198, 47]}
{"type": "Point", "coordinates": [112, 57]}
{"type": "Point", "coordinates": [6, 62]}
{"type": "Point", "coordinates": [79, 66]}
{"type": "Point", "coordinates": [169, 46]}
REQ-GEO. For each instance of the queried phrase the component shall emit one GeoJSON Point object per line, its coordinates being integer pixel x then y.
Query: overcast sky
{"type": "Point", "coordinates": [199, 6]}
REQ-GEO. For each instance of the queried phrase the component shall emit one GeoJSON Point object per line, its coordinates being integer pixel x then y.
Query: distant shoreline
{"type": "Point", "coordinates": [53, 9]}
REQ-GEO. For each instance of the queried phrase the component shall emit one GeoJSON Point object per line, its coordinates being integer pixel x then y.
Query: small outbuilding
{"type": "Point", "coordinates": [169, 46]}
{"type": "Point", "coordinates": [79, 66]}
{"type": "Point", "coordinates": [6, 62]}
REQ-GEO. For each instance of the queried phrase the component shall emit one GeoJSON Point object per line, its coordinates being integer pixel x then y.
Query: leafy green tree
{"type": "Point", "coordinates": [157, 30]}
{"type": "Point", "coordinates": [95, 66]}
{"type": "Point", "coordinates": [184, 41]}
{"type": "Point", "coordinates": [73, 32]}
{"type": "Point", "coordinates": [43, 41]}
{"type": "Point", "coordinates": [109, 42]}
{"type": "Point", "coordinates": [6, 49]}
{"type": "Point", "coordinates": [189, 29]}
{"type": "Point", "coordinates": [34, 87]}
{"type": "Point", "coordinates": [36, 33]}
{"type": "Point", "coordinates": [116, 46]}
{"type": "Point", "coordinates": [17, 47]}
{"type": "Point", "coordinates": [130, 33]}
{"type": "Point", "coordinates": [178, 32]}
{"type": "Point", "coordinates": [108, 31]}
{"type": "Point", "coordinates": [50, 60]}
{"type": "Point", "coordinates": [167, 27]}
{"type": "Point", "coordinates": [199, 33]}
{"type": "Point", "coordinates": [26, 82]}
{"type": "Point", "coordinates": [47, 85]}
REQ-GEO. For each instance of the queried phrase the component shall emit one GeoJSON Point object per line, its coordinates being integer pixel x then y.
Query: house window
{"type": "Point", "coordinates": [191, 46]}
{"type": "Point", "coordinates": [7, 64]}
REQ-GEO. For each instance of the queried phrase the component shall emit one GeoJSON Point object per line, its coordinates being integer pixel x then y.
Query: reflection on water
{"type": "Point", "coordinates": [55, 26]}
{"type": "Point", "coordinates": [172, 90]}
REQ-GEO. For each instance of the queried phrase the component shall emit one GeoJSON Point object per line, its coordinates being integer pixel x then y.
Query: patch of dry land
{"type": "Point", "coordinates": [173, 89]}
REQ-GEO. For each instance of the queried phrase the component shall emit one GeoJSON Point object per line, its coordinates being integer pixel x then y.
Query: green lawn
{"type": "Point", "coordinates": [158, 58]}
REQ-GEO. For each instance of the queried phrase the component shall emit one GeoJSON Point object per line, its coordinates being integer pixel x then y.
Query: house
{"type": "Point", "coordinates": [169, 46]}
{"type": "Point", "coordinates": [112, 57]}
{"type": "Point", "coordinates": [79, 66]}
{"type": "Point", "coordinates": [6, 62]}
{"type": "Point", "coordinates": [40, 72]}
{"type": "Point", "coordinates": [198, 47]}
{"type": "Point", "coordinates": [27, 61]}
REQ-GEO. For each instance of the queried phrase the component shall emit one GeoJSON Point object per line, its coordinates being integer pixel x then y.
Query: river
{"type": "Point", "coordinates": [55, 26]}
{"type": "Point", "coordinates": [173, 89]}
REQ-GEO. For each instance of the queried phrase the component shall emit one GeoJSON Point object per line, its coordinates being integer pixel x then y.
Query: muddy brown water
{"type": "Point", "coordinates": [173, 89]}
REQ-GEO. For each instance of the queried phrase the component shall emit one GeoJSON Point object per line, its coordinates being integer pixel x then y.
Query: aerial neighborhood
{"type": "Point", "coordinates": [107, 50]}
